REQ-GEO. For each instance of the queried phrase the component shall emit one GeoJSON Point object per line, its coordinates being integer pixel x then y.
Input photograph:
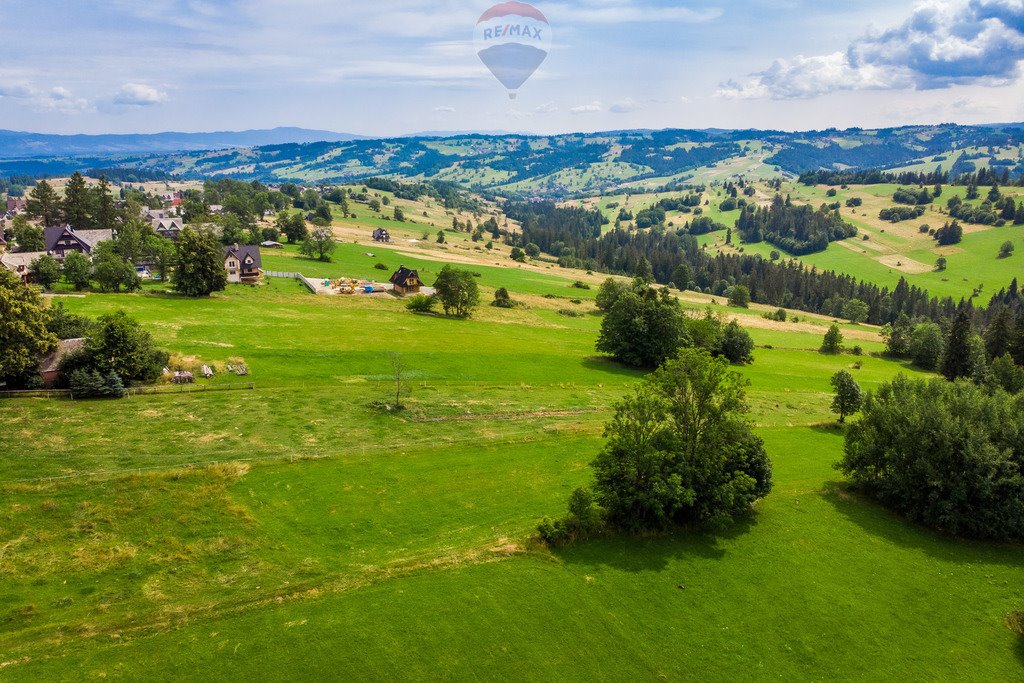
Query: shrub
{"type": "Point", "coordinates": [381, 266]}
{"type": "Point", "coordinates": [579, 284]}
{"type": "Point", "coordinates": [502, 299]}
{"type": "Point", "coordinates": [421, 303]}
{"type": "Point", "coordinates": [585, 520]}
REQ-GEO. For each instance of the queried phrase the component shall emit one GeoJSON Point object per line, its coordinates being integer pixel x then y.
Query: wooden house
{"type": "Point", "coordinates": [406, 281]}
{"type": "Point", "coordinates": [381, 235]}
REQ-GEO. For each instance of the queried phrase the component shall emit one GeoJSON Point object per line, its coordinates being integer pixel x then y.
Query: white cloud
{"type": "Point", "coordinates": [139, 95]}
{"type": "Point", "coordinates": [56, 99]}
{"type": "Point", "coordinates": [592, 108]}
{"type": "Point", "coordinates": [943, 43]}
{"type": "Point", "coordinates": [626, 106]}
{"type": "Point", "coordinates": [444, 110]}
{"type": "Point", "coordinates": [546, 108]}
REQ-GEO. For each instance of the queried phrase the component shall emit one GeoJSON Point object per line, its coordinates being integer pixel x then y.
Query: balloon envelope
{"type": "Point", "coordinates": [512, 40]}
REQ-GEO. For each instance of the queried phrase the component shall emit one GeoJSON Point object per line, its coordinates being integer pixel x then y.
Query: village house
{"type": "Point", "coordinates": [381, 235]}
{"type": "Point", "coordinates": [60, 241]}
{"type": "Point", "coordinates": [19, 264]}
{"type": "Point", "coordinates": [169, 228]}
{"type": "Point", "coordinates": [49, 365]}
{"type": "Point", "coordinates": [406, 281]}
{"type": "Point", "coordinates": [242, 263]}
{"type": "Point", "coordinates": [16, 205]}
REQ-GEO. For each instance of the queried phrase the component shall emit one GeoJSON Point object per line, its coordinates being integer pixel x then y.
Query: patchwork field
{"type": "Point", "coordinates": [298, 531]}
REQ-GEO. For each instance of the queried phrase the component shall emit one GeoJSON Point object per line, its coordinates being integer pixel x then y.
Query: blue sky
{"type": "Point", "coordinates": [397, 66]}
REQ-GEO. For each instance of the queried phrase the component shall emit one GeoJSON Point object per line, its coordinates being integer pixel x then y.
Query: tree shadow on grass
{"type": "Point", "coordinates": [611, 367]}
{"type": "Point", "coordinates": [652, 553]}
{"type": "Point", "coordinates": [880, 522]}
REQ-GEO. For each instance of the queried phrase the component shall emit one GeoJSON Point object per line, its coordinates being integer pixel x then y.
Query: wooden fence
{"type": "Point", "coordinates": [135, 391]}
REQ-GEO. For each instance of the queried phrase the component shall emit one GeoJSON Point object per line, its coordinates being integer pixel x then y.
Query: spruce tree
{"type": "Point", "coordinates": [44, 204]}
{"type": "Point", "coordinates": [999, 335]}
{"type": "Point", "coordinates": [78, 203]}
{"type": "Point", "coordinates": [957, 363]}
{"type": "Point", "coordinates": [114, 386]}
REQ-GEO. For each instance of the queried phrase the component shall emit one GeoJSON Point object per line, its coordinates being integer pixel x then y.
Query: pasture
{"type": "Point", "coordinates": [316, 535]}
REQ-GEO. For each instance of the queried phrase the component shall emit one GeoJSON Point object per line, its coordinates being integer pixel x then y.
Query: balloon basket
{"type": "Point", "coordinates": [513, 95]}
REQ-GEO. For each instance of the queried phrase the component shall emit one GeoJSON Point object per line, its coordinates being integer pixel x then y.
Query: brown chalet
{"type": "Point", "coordinates": [406, 281]}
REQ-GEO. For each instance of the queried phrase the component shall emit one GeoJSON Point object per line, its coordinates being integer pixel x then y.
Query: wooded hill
{"type": "Point", "coordinates": [582, 164]}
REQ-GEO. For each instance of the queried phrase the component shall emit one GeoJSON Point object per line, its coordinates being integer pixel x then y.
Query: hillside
{"type": "Point", "coordinates": [16, 144]}
{"type": "Point", "coordinates": [577, 165]}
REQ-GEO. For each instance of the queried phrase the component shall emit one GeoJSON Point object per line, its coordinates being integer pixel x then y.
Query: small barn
{"type": "Point", "coordinates": [381, 235]}
{"type": "Point", "coordinates": [406, 281]}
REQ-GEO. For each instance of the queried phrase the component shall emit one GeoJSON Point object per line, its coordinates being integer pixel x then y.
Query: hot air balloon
{"type": "Point", "coordinates": [512, 39]}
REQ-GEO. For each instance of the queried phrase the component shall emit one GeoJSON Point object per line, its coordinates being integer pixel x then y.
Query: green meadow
{"type": "Point", "coordinates": [300, 531]}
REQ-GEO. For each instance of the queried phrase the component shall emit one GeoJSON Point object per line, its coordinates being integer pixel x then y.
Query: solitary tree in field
{"type": "Point", "coordinates": [848, 398]}
{"type": "Point", "coordinates": [457, 291]}
{"type": "Point", "coordinates": [320, 245]}
{"type": "Point", "coordinates": [679, 450]}
{"type": "Point", "coordinates": [833, 342]}
{"type": "Point", "coordinates": [400, 373]}
{"type": "Point", "coordinates": [941, 264]}
{"type": "Point", "coordinates": [1006, 251]}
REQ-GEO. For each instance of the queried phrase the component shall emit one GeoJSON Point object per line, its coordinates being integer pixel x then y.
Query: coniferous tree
{"type": "Point", "coordinates": [957, 362]}
{"type": "Point", "coordinates": [44, 204]}
{"type": "Point", "coordinates": [105, 213]}
{"type": "Point", "coordinates": [999, 335]}
{"type": "Point", "coordinates": [78, 203]}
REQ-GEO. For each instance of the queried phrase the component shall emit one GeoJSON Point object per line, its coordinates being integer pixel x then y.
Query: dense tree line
{"type": "Point", "coordinates": [945, 454]}
{"type": "Point", "coordinates": [574, 235]}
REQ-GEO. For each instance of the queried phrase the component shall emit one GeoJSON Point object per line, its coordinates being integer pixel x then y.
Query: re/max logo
{"type": "Point", "coordinates": [512, 30]}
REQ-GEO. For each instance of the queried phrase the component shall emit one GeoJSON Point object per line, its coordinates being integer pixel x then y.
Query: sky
{"type": "Point", "coordinates": [394, 67]}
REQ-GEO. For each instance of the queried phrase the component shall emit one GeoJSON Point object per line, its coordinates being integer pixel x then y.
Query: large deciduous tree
{"type": "Point", "coordinates": [680, 451]}
{"type": "Point", "coordinates": [200, 270]}
{"type": "Point", "coordinates": [23, 333]}
{"type": "Point", "coordinates": [457, 291]}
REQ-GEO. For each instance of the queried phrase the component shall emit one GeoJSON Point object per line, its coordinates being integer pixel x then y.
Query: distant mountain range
{"type": "Point", "coordinates": [16, 145]}
{"type": "Point", "coordinates": [559, 166]}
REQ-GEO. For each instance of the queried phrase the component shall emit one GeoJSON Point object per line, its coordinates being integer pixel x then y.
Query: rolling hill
{"type": "Point", "coordinates": [561, 166]}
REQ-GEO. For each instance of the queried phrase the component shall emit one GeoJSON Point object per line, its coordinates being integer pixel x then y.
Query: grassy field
{"type": "Point", "coordinates": [892, 251]}
{"type": "Point", "coordinates": [318, 536]}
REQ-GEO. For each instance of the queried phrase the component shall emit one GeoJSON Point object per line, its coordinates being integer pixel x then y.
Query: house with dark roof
{"type": "Point", "coordinates": [16, 205]}
{"type": "Point", "coordinates": [61, 241]}
{"type": "Point", "coordinates": [381, 235]}
{"type": "Point", "coordinates": [406, 281]}
{"type": "Point", "coordinates": [49, 365]}
{"type": "Point", "coordinates": [169, 228]}
{"type": "Point", "coordinates": [242, 263]}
